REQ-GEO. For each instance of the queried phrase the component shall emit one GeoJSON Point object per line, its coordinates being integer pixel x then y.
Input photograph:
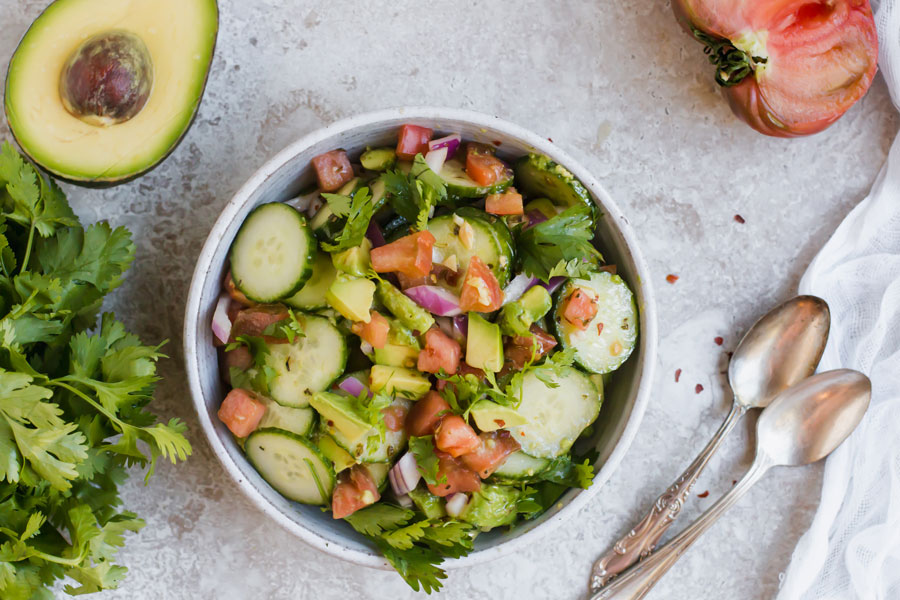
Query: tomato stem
{"type": "Point", "coordinates": [732, 64]}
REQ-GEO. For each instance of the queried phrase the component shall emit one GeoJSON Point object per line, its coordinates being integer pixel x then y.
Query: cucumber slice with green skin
{"type": "Point", "coordinates": [395, 228]}
{"type": "Point", "coordinates": [599, 348]}
{"type": "Point", "coordinates": [378, 159]}
{"type": "Point", "coordinates": [466, 233]}
{"type": "Point", "coordinates": [308, 365]}
{"type": "Point", "coordinates": [537, 176]}
{"type": "Point", "coordinates": [519, 466]}
{"type": "Point", "coordinates": [291, 465]}
{"type": "Point", "coordinates": [312, 295]}
{"type": "Point", "coordinates": [460, 185]}
{"type": "Point", "coordinates": [555, 417]}
{"type": "Point", "coordinates": [272, 255]}
{"type": "Point", "coordinates": [501, 233]}
{"type": "Point", "coordinates": [296, 420]}
{"type": "Point", "coordinates": [374, 448]}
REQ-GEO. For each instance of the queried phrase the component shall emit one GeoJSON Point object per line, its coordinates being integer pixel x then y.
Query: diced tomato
{"type": "Point", "coordinates": [483, 167]}
{"type": "Point", "coordinates": [425, 414]}
{"type": "Point", "coordinates": [241, 412]}
{"type": "Point", "coordinates": [355, 489]}
{"type": "Point", "coordinates": [239, 358]}
{"type": "Point", "coordinates": [410, 255]}
{"type": "Point", "coordinates": [521, 349]}
{"type": "Point", "coordinates": [255, 320]}
{"type": "Point", "coordinates": [375, 331]}
{"type": "Point", "coordinates": [579, 309]}
{"type": "Point", "coordinates": [333, 170]}
{"type": "Point", "coordinates": [453, 477]}
{"type": "Point", "coordinates": [440, 352]}
{"type": "Point", "coordinates": [507, 203]}
{"type": "Point", "coordinates": [394, 417]}
{"type": "Point", "coordinates": [413, 140]}
{"type": "Point", "coordinates": [495, 447]}
{"type": "Point", "coordinates": [236, 294]}
{"type": "Point", "coordinates": [480, 290]}
{"type": "Point", "coordinates": [455, 437]}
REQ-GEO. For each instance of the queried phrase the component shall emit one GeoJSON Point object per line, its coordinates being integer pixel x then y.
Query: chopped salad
{"type": "Point", "coordinates": [417, 345]}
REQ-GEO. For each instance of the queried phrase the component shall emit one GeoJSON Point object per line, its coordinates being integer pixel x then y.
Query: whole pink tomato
{"type": "Point", "coordinates": [787, 67]}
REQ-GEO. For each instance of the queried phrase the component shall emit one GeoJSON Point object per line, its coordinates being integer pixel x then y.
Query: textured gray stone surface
{"type": "Point", "coordinates": [620, 87]}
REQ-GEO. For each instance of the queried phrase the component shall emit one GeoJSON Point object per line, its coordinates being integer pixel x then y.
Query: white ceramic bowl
{"type": "Point", "coordinates": [282, 178]}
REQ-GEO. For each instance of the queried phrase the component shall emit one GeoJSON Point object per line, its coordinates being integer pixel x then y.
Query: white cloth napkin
{"type": "Point", "coordinates": [852, 549]}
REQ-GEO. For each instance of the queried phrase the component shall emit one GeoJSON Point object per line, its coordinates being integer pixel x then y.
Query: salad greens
{"type": "Point", "coordinates": [72, 403]}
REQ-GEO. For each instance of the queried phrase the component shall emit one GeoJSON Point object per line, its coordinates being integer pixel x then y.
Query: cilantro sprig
{"type": "Point", "coordinates": [559, 246]}
{"type": "Point", "coordinates": [358, 210]}
{"type": "Point", "coordinates": [73, 399]}
{"type": "Point", "coordinates": [415, 196]}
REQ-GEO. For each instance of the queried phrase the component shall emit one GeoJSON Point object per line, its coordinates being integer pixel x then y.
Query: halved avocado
{"type": "Point", "coordinates": [101, 92]}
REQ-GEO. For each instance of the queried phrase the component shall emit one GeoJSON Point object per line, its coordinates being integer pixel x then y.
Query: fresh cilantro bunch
{"type": "Point", "coordinates": [72, 398]}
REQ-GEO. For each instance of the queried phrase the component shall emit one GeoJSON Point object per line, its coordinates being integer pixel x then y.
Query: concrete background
{"type": "Point", "coordinates": [623, 89]}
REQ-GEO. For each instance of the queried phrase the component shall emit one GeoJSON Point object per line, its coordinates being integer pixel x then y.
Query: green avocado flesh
{"type": "Point", "coordinates": [60, 57]}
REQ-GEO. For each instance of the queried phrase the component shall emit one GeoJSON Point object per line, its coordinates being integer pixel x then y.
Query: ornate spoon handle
{"type": "Point", "coordinates": [641, 540]}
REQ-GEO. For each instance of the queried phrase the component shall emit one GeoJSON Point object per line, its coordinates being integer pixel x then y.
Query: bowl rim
{"type": "Point", "coordinates": [335, 129]}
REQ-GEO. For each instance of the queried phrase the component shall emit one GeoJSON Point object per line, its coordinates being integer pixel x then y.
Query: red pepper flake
{"type": "Point", "coordinates": [704, 494]}
{"type": "Point", "coordinates": [719, 341]}
{"type": "Point", "coordinates": [500, 422]}
{"type": "Point", "coordinates": [522, 433]}
{"type": "Point", "coordinates": [497, 143]}
{"type": "Point", "coordinates": [599, 328]}
{"type": "Point", "coordinates": [698, 388]}
{"type": "Point", "coordinates": [671, 278]}
{"type": "Point", "coordinates": [550, 139]}
{"type": "Point", "coordinates": [739, 219]}
{"type": "Point", "coordinates": [677, 375]}
{"type": "Point", "coordinates": [734, 482]}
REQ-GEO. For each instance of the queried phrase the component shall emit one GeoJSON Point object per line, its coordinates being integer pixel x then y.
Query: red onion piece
{"type": "Point", "coordinates": [535, 217]}
{"type": "Point", "coordinates": [520, 284]}
{"type": "Point", "coordinates": [221, 324]}
{"type": "Point", "coordinates": [405, 501]}
{"type": "Point", "coordinates": [461, 326]}
{"type": "Point", "coordinates": [450, 142]}
{"type": "Point", "coordinates": [434, 299]}
{"type": "Point", "coordinates": [375, 235]}
{"type": "Point", "coordinates": [435, 159]}
{"type": "Point", "coordinates": [353, 386]}
{"type": "Point", "coordinates": [404, 476]}
{"type": "Point", "coordinates": [445, 324]}
{"type": "Point", "coordinates": [456, 503]}
{"type": "Point", "coordinates": [554, 283]}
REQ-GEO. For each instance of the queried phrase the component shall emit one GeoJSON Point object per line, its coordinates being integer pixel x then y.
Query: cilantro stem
{"type": "Point", "coordinates": [24, 264]}
{"type": "Point", "coordinates": [122, 425]}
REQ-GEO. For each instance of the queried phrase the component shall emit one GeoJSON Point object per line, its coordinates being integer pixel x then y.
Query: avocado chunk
{"type": "Point", "coordinates": [490, 416]}
{"type": "Point", "coordinates": [100, 92]}
{"type": "Point", "coordinates": [354, 261]}
{"type": "Point", "coordinates": [428, 503]}
{"type": "Point", "coordinates": [378, 159]}
{"type": "Point", "coordinates": [399, 381]}
{"type": "Point", "coordinates": [408, 312]}
{"type": "Point", "coordinates": [341, 413]}
{"type": "Point", "coordinates": [484, 344]}
{"type": "Point", "coordinates": [352, 297]}
{"type": "Point", "coordinates": [396, 355]}
{"type": "Point", "coordinates": [517, 317]}
{"type": "Point", "coordinates": [492, 506]}
{"type": "Point", "coordinates": [543, 206]}
{"type": "Point", "coordinates": [330, 449]}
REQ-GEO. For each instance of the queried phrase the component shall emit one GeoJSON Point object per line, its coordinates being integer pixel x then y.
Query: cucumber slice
{"type": "Point", "coordinates": [272, 255]}
{"type": "Point", "coordinates": [600, 349]}
{"type": "Point", "coordinates": [378, 159]}
{"type": "Point", "coordinates": [501, 233]}
{"type": "Point", "coordinates": [466, 233]}
{"type": "Point", "coordinates": [309, 364]}
{"type": "Point", "coordinates": [537, 176]}
{"type": "Point", "coordinates": [375, 448]}
{"type": "Point", "coordinates": [519, 466]}
{"type": "Point", "coordinates": [295, 420]}
{"type": "Point", "coordinates": [555, 416]}
{"type": "Point", "coordinates": [291, 465]}
{"type": "Point", "coordinates": [312, 295]}
{"type": "Point", "coordinates": [460, 185]}
{"type": "Point", "coordinates": [379, 473]}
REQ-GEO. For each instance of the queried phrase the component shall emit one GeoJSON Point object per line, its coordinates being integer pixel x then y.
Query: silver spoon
{"type": "Point", "coordinates": [781, 349]}
{"type": "Point", "coordinates": [803, 424]}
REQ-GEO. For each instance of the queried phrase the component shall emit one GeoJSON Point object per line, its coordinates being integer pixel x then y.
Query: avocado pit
{"type": "Point", "coordinates": [107, 79]}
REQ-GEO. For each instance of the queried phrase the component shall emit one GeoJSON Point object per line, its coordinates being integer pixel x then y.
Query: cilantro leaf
{"type": "Point", "coordinates": [339, 204]}
{"type": "Point", "coordinates": [559, 245]}
{"type": "Point", "coordinates": [359, 214]}
{"type": "Point", "coordinates": [415, 196]}
{"type": "Point", "coordinates": [378, 518]}
{"type": "Point", "coordinates": [427, 461]}
{"type": "Point", "coordinates": [564, 471]}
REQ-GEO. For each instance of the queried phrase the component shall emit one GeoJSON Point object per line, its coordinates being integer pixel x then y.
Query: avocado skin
{"type": "Point", "coordinates": [108, 183]}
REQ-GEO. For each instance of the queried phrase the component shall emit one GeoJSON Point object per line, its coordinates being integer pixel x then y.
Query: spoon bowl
{"type": "Point", "coordinates": [810, 420]}
{"type": "Point", "coordinates": [782, 348]}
